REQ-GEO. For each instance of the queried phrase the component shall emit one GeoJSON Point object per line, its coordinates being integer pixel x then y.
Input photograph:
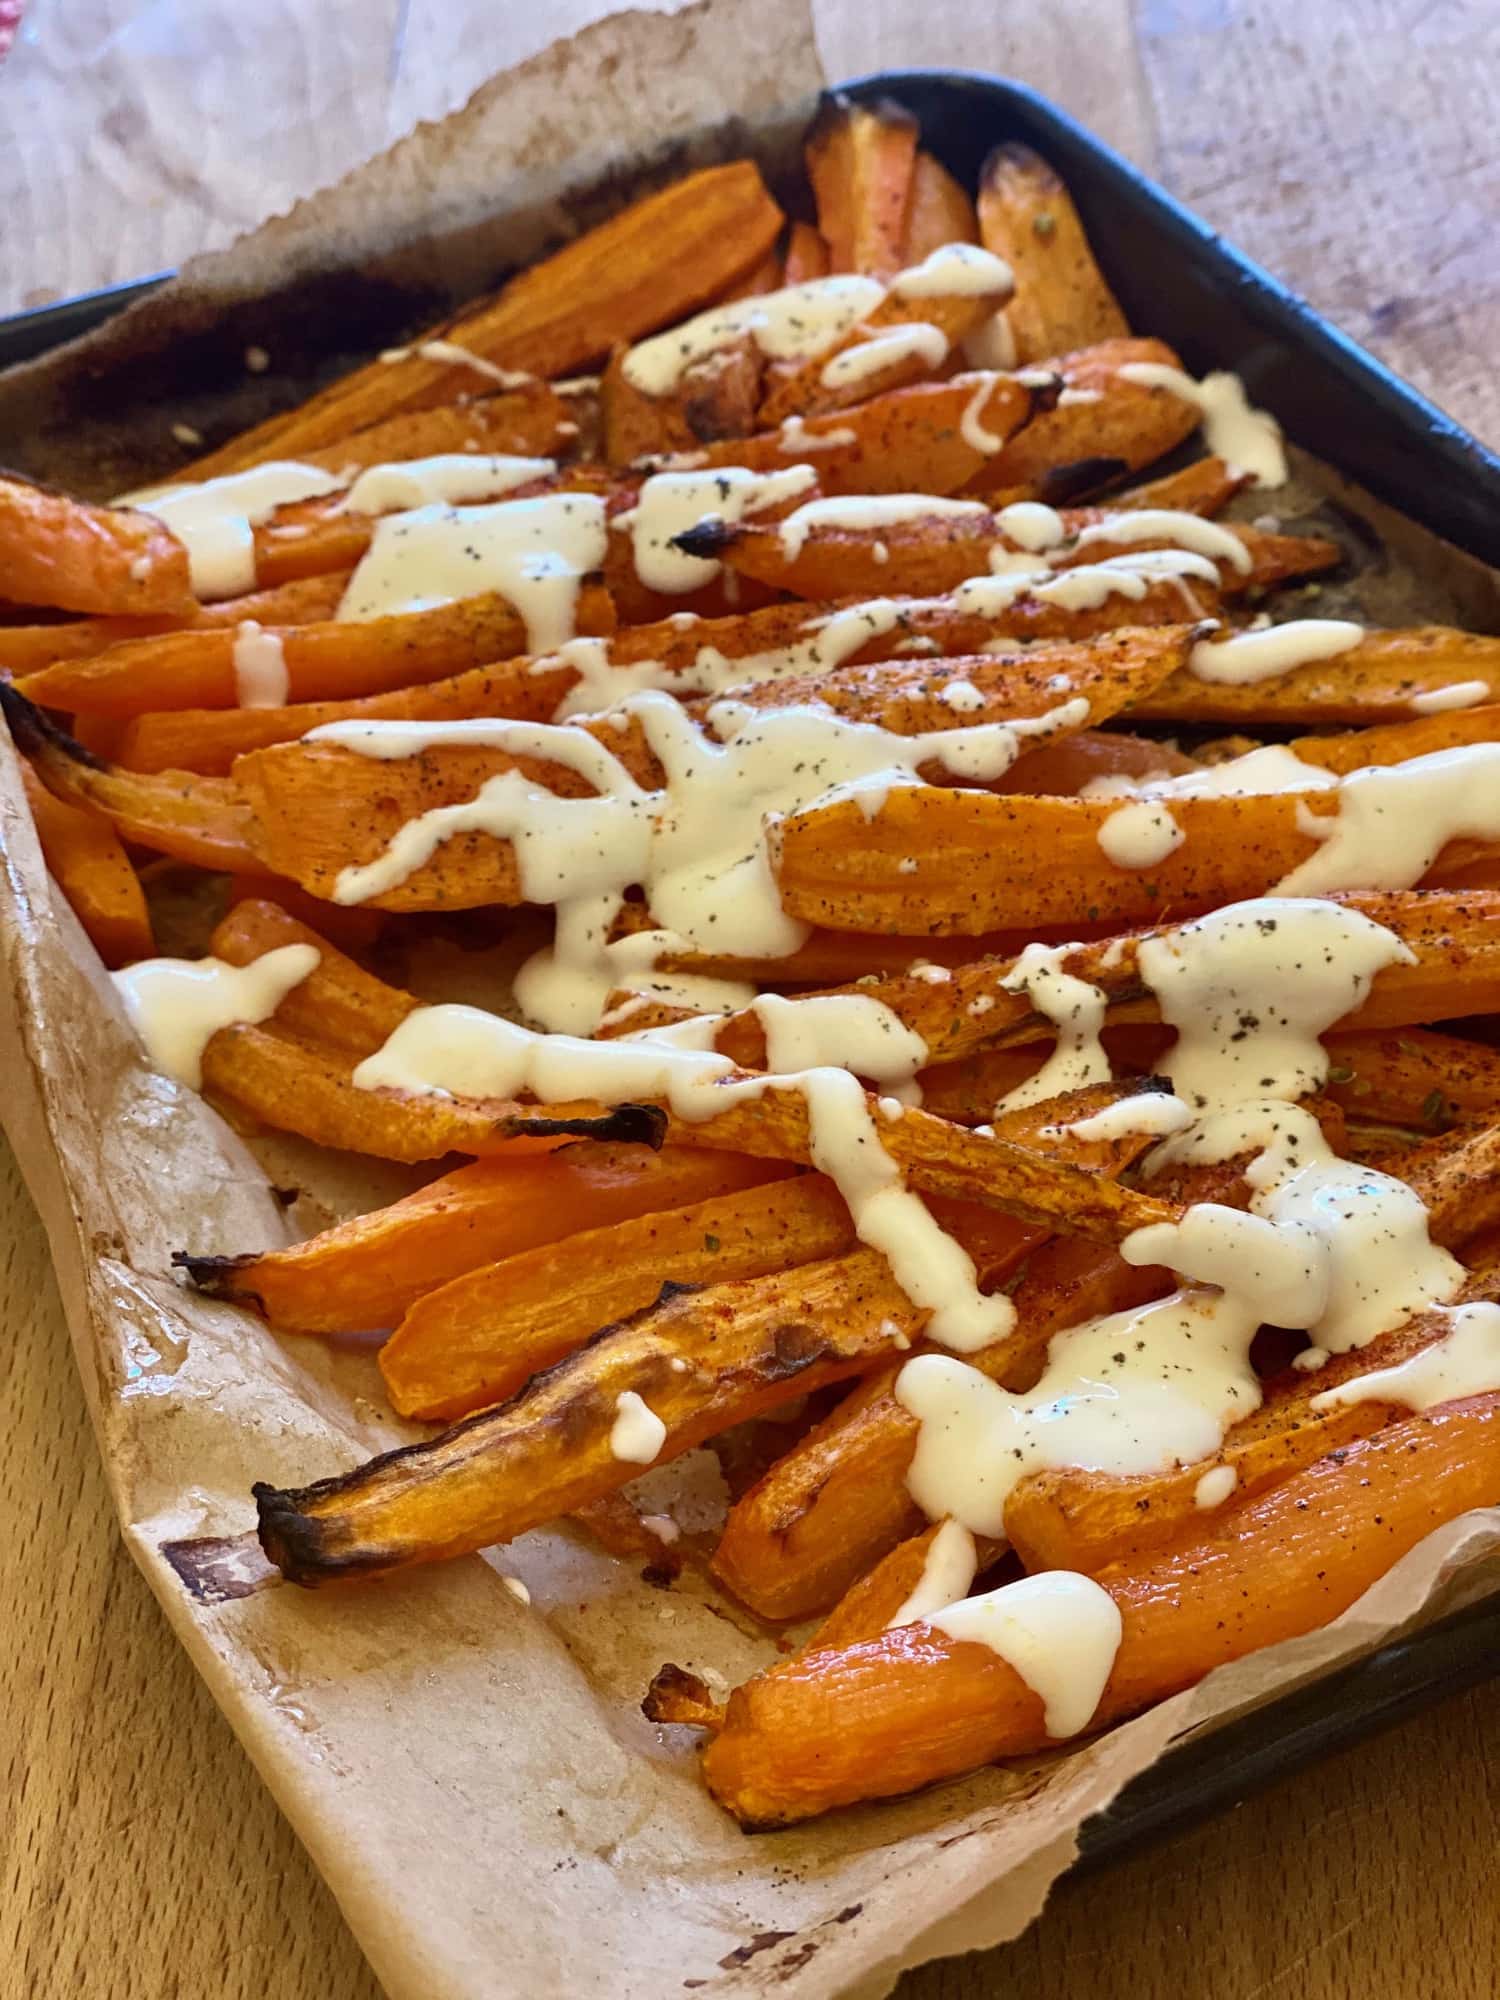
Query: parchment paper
{"type": "Point", "coordinates": [472, 1775]}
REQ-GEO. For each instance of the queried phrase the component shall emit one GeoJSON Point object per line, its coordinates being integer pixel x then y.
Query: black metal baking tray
{"type": "Point", "coordinates": [1175, 277]}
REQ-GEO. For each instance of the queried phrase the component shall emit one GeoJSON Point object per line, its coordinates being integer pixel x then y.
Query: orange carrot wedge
{"type": "Point", "coordinates": [913, 1706]}
{"type": "Point", "coordinates": [1026, 216]}
{"type": "Point", "coordinates": [929, 551]}
{"type": "Point", "coordinates": [26, 649]}
{"type": "Point", "coordinates": [938, 212]}
{"type": "Point", "coordinates": [1379, 680]}
{"type": "Point", "coordinates": [336, 660]}
{"type": "Point", "coordinates": [806, 255]}
{"type": "Point", "coordinates": [1103, 428]}
{"type": "Point", "coordinates": [75, 557]}
{"type": "Point", "coordinates": [368, 1271]}
{"type": "Point", "coordinates": [860, 160]}
{"type": "Point", "coordinates": [86, 860]}
{"type": "Point", "coordinates": [529, 420]}
{"type": "Point", "coordinates": [481, 1337]}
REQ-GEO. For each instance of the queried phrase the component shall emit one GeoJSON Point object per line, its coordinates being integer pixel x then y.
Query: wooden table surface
{"type": "Point", "coordinates": [1351, 146]}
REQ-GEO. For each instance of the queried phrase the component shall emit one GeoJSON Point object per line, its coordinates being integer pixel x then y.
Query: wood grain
{"type": "Point", "coordinates": [1353, 150]}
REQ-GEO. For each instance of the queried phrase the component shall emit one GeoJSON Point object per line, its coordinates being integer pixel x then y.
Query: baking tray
{"type": "Point", "coordinates": [1178, 278]}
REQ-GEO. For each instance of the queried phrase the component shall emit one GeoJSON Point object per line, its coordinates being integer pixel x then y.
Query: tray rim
{"type": "Point", "coordinates": [1203, 1775]}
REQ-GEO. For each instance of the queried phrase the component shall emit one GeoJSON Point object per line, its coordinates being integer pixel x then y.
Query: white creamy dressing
{"type": "Point", "coordinates": [1215, 1486]}
{"type": "Point", "coordinates": [1167, 524]}
{"type": "Point", "coordinates": [1031, 525]}
{"type": "Point", "coordinates": [857, 511]}
{"type": "Point", "coordinates": [1394, 820]}
{"type": "Point", "coordinates": [1247, 438]}
{"type": "Point", "coordinates": [992, 344]}
{"type": "Point", "coordinates": [452, 355]}
{"type": "Point", "coordinates": [215, 519]}
{"type": "Point", "coordinates": [847, 1030]}
{"type": "Point", "coordinates": [454, 478]}
{"type": "Point", "coordinates": [638, 1433]}
{"type": "Point", "coordinates": [1458, 694]}
{"type": "Point", "coordinates": [961, 696]}
{"type": "Point", "coordinates": [885, 347]}
{"type": "Point", "coordinates": [1129, 1392]}
{"type": "Point", "coordinates": [970, 423]}
{"type": "Point", "coordinates": [1247, 657]}
{"type": "Point", "coordinates": [1156, 1114]}
{"type": "Point", "coordinates": [948, 1572]}
{"type": "Point", "coordinates": [178, 1005]}
{"type": "Point", "coordinates": [670, 502]}
{"type": "Point", "coordinates": [794, 436]}
{"type": "Point", "coordinates": [1272, 768]}
{"type": "Point", "coordinates": [1057, 1630]}
{"type": "Point", "coordinates": [1465, 1361]}
{"type": "Point", "coordinates": [793, 324]}
{"type": "Point", "coordinates": [535, 553]}
{"type": "Point", "coordinates": [260, 674]}
{"type": "Point", "coordinates": [955, 271]}
{"type": "Point", "coordinates": [1327, 1245]}
{"type": "Point", "coordinates": [1140, 835]}
{"type": "Point", "coordinates": [1075, 1009]}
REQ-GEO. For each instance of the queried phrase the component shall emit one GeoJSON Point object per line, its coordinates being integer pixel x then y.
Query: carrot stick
{"type": "Point", "coordinates": [481, 1337]}
{"type": "Point", "coordinates": [1415, 1077]}
{"type": "Point", "coordinates": [938, 212]}
{"type": "Point", "coordinates": [1375, 681]}
{"type": "Point", "coordinates": [860, 159]}
{"type": "Point", "coordinates": [336, 660]}
{"type": "Point", "coordinates": [974, 868]}
{"type": "Point", "coordinates": [68, 554]}
{"type": "Point", "coordinates": [86, 860]}
{"type": "Point", "coordinates": [931, 552]}
{"type": "Point", "coordinates": [339, 1005]}
{"type": "Point", "coordinates": [528, 421]}
{"type": "Point", "coordinates": [930, 437]}
{"type": "Point", "coordinates": [913, 1706]}
{"type": "Point", "coordinates": [26, 649]}
{"type": "Point", "coordinates": [1026, 216]}
{"type": "Point", "coordinates": [368, 1271]}
{"type": "Point", "coordinates": [294, 1087]}
{"type": "Point", "coordinates": [199, 820]}
{"type": "Point", "coordinates": [1082, 445]}
{"type": "Point", "coordinates": [806, 255]}
{"type": "Point", "coordinates": [659, 259]}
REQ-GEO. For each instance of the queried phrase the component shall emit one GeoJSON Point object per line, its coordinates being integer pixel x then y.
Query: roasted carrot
{"type": "Point", "coordinates": [368, 1271]}
{"type": "Point", "coordinates": [480, 1337]}
{"type": "Point", "coordinates": [200, 820]}
{"type": "Point", "coordinates": [337, 660]}
{"type": "Point", "coordinates": [970, 870]}
{"type": "Point", "coordinates": [861, 160]}
{"type": "Point", "coordinates": [293, 1086]}
{"type": "Point", "coordinates": [1026, 216]}
{"type": "Point", "coordinates": [1378, 680]}
{"type": "Point", "coordinates": [1277, 1565]}
{"type": "Point", "coordinates": [806, 255]}
{"type": "Point", "coordinates": [931, 437]}
{"type": "Point", "coordinates": [529, 420]}
{"type": "Point", "coordinates": [26, 649]}
{"type": "Point", "coordinates": [938, 211]}
{"type": "Point", "coordinates": [1415, 1077]}
{"type": "Point", "coordinates": [86, 860]}
{"type": "Point", "coordinates": [75, 557]}
{"type": "Point", "coordinates": [1103, 428]}
{"type": "Point", "coordinates": [659, 259]}
{"type": "Point", "coordinates": [929, 551]}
